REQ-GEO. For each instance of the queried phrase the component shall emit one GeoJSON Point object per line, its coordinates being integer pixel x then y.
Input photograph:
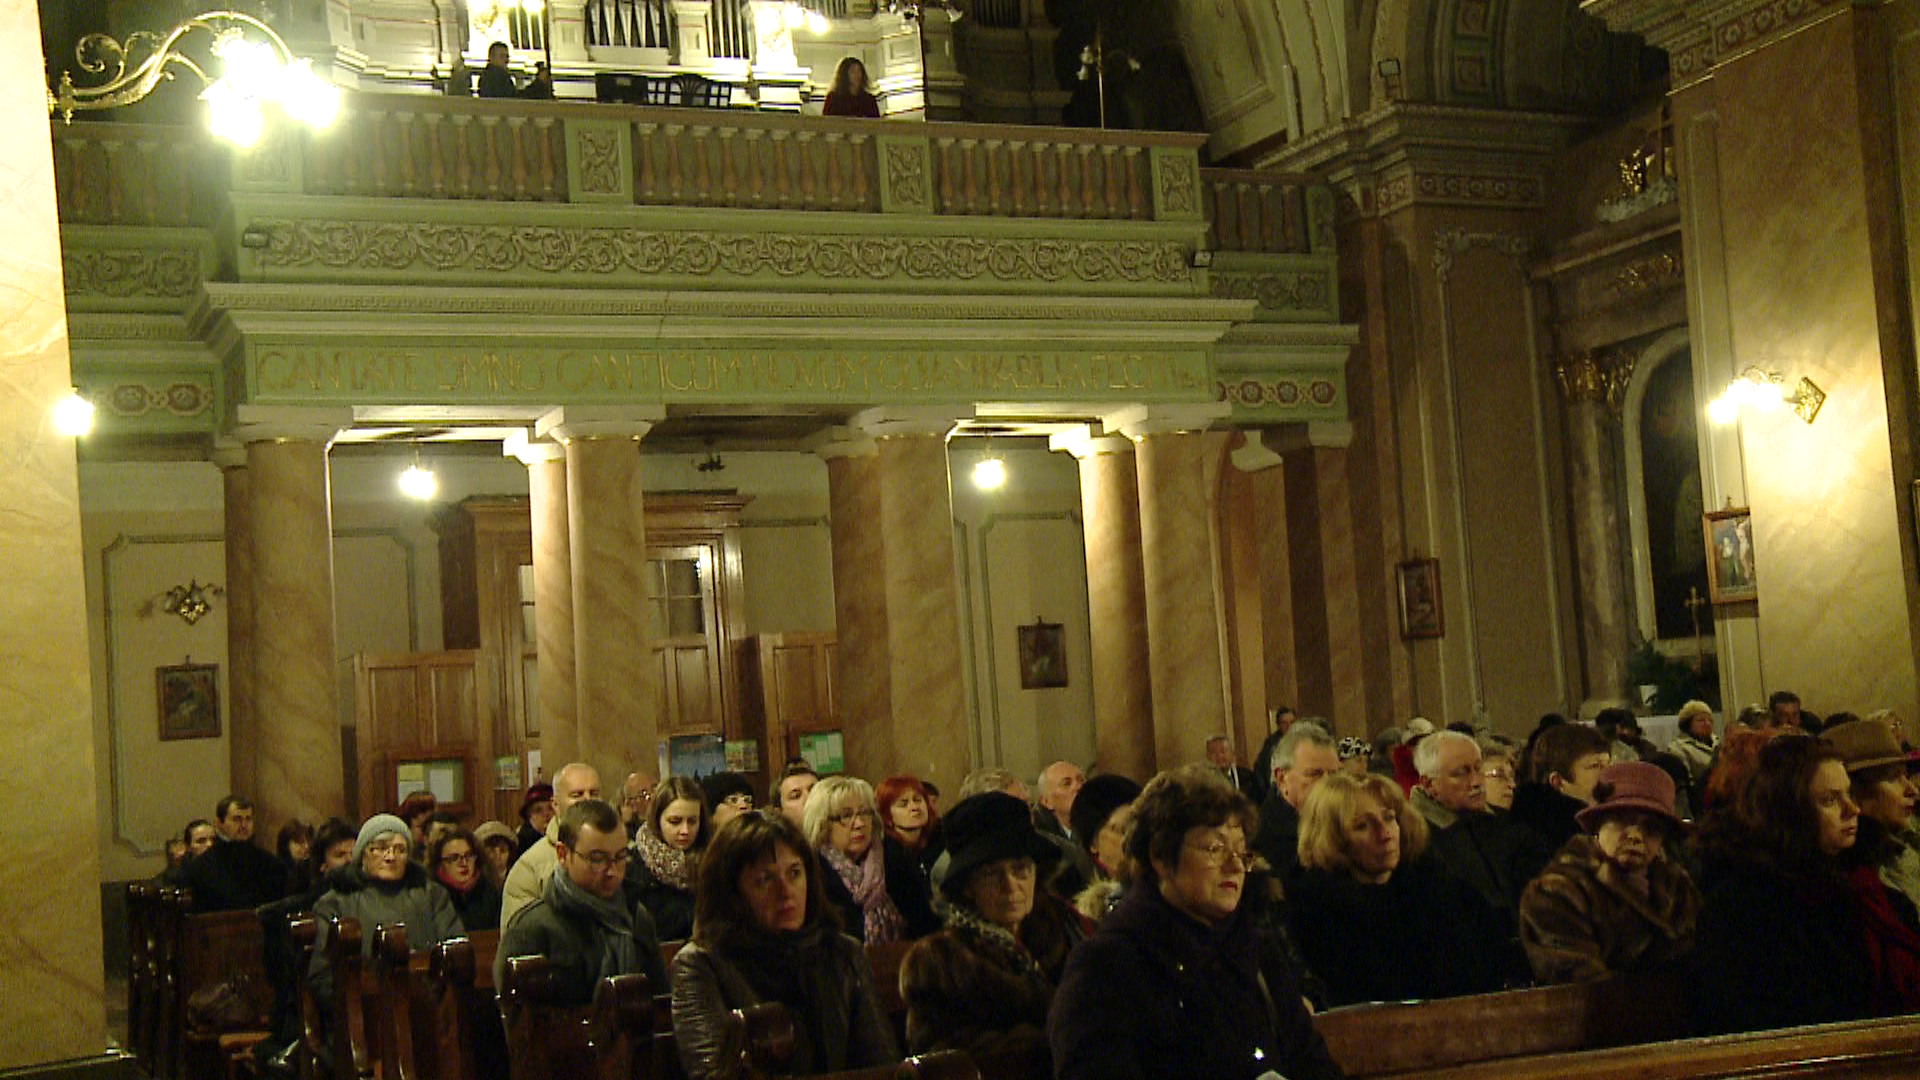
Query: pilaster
{"type": "Point", "coordinates": [556, 713]}
{"type": "Point", "coordinates": [863, 673]}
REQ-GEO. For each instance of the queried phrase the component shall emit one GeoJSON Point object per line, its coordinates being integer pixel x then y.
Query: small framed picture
{"type": "Point", "coordinates": [1043, 656]}
{"type": "Point", "coordinates": [1730, 570]}
{"type": "Point", "coordinates": [189, 701]}
{"type": "Point", "coordinates": [1420, 613]}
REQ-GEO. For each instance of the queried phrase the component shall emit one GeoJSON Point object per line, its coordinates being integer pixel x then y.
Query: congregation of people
{"type": "Point", "coordinates": [1775, 867]}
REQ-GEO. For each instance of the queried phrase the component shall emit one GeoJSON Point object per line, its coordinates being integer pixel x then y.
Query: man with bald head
{"type": "Point", "coordinates": [1059, 783]}
{"type": "Point", "coordinates": [573, 783]}
{"type": "Point", "coordinates": [636, 797]}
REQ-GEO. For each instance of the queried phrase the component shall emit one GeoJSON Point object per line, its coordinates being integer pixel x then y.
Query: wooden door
{"type": "Point", "coordinates": [683, 627]}
{"type": "Point", "coordinates": [414, 705]}
{"type": "Point", "coordinates": [788, 691]}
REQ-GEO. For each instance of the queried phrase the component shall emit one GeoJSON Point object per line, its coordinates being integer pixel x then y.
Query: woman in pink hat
{"type": "Point", "coordinates": [1612, 900]}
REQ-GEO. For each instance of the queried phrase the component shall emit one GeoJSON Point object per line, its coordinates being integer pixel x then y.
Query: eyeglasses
{"type": "Point", "coordinates": [462, 859]}
{"type": "Point", "coordinates": [739, 799]}
{"type": "Point", "coordinates": [1499, 774]}
{"type": "Point", "coordinates": [601, 861]}
{"type": "Point", "coordinates": [848, 817]}
{"type": "Point", "coordinates": [1217, 854]}
{"type": "Point", "coordinates": [389, 847]}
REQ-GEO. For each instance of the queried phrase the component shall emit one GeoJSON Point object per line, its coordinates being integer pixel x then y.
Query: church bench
{"type": "Point", "coordinates": [304, 930]}
{"type": "Point", "coordinates": [621, 1029]}
{"type": "Point", "coordinates": [1886, 1049]}
{"type": "Point", "coordinates": [470, 1040]}
{"type": "Point", "coordinates": [408, 1050]}
{"type": "Point", "coordinates": [219, 957]}
{"type": "Point", "coordinates": [543, 1040]}
{"type": "Point", "coordinates": [168, 1003]}
{"type": "Point", "coordinates": [1413, 1039]}
{"type": "Point", "coordinates": [142, 980]}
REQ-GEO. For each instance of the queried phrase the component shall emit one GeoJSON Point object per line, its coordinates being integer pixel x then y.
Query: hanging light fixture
{"type": "Point", "coordinates": [418, 482]}
{"type": "Point", "coordinates": [1764, 391]}
{"type": "Point", "coordinates": [990, 473]}
{"type": "Point", "coordinates": [73, 415]}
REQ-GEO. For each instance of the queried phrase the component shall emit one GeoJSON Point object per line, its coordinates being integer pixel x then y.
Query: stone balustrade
{"type": "Point", "coordinates": [426, 147]}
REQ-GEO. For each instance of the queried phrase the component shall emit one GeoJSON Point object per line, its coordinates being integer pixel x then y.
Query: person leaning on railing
{"type": "Point", "coordinates": [851, 94]}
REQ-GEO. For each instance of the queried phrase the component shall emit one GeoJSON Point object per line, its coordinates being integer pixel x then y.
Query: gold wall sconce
{"type": "Point", "coordinates": [189, 602]}
{"type": "Point", "coordinates": [1765, 390]}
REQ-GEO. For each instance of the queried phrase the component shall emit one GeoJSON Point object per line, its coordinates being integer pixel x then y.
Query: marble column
{"type": "Point", "coordinates": [932, 737]}
{"type": "Point", "coordinates": [243, 733]}
{"type": "Point", "coordinates": [615, 677]}
{"type": "Point", "coordinates": [862, 674]}
{"type": "Point", "coordinates": [1185, 652]}
{"type": "Point", "coordinates": [556, 712]}
{"type": "Point", "coordinates": [1269, 485]}
{"type": "Point", "coordinates": [51, 980]}
{"type": "Point", "coordinates": [300, 772]}
{"type": "Point", "coordinates": [1328, 646]}
{"type": "Point", "coordinates": [1592, 387]}
{"type": "Point", "coordinates": [1116, 603]}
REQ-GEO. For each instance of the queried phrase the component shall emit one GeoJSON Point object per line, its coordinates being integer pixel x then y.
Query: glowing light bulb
{"type": "Point", "coordinates": [532, 7]}
{"type": "Point", "coordinates": [307, 97]}
{"type": "Point", "coordinates": [1723, 410]}
{"type": "Point", "coordinates": [419, 483]}
{"type": "Point", "coordinates": [818, 23]}
{"type": "Point", "coordinates": [989, 473]}
{"type": "Point", "coordinates": [233, 115]}
{"type": "Point", "coordinates": [73, 415]}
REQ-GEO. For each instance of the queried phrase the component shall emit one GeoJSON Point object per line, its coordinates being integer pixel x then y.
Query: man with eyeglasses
{"type": "Point", "coordinates": [1494, 854]}
{"type": "Point", "coordinates": [586, 922]}
{"type": "Point", "coordinates": [574, 782]}
{"type": "Point", "coordinates": [636, 798]}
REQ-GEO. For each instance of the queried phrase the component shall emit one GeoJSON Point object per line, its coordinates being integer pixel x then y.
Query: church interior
{"type": "Point", "coordinates": [1139, 373]}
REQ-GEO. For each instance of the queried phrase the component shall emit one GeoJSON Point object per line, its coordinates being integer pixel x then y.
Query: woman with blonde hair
{"type": "Point", "coordinates": [1376, 921]}
{"type": "Point", "coordinates": [873, 881]}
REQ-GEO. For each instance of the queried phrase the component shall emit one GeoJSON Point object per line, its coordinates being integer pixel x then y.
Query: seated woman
{"type": "Point", "coordinates": [1882, 777]}
{"type": "Point", "coordinates": [983, 984]}
{"type": "Point", "coordinates": [669, 843]}
{"type": "Point", "coordinates": [873, 882]}
{"type": "Point", "coordinates": [1376, 921]}
{"type": "Point", "coordinates": [909, 818]}
{"type": "Point", "coordinates": [1101, 813]}
{"type": "Point", "coordinates": [850, 95]}
{"type": "Point", "coordinates": [1612, 900]}
{"type": "Point", "coordinates": [764, 932]}
{"type": "Point", "coordinates": [1178, 982]}
{"type": "Point", "coordinates": [455, 858]}
{"type": "Point", "coordinates": [1782, 941]}
{"type": "Point", "coordinates": [382, 885]}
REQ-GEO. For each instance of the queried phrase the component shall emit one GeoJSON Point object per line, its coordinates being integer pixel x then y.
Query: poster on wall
{"type": "Point", "coordinates": [692, 755]}
{"type": "Point", "coordinates": [189, 701]}
{"type": "Point", "coordinates": [743, 755]}
{"type": "Point", "coordinates": [1731, 577]}
{"type": "Point", "coordinates": [506, 773]}
{"type": "Point", "coordinates": [1043, 656]}
{"type": "Point", "coordinates": [824, 751]}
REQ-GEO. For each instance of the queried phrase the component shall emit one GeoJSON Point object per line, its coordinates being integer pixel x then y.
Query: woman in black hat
{"type": "Point", "coordinates": [983, 984]}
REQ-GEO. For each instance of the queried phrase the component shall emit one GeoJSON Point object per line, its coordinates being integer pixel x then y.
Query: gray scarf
{"type": "Point", "coordinates": [614, 923]}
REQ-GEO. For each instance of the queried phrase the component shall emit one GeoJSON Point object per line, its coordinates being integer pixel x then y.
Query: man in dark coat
{"type": "Point", "coordinates": [585, 922]}
{"type": "Point", "coordinates": [1494, 855]}
{"type": "Point", "coordinates": [496, 79]}
{"type": "Point", "coordinates": [233, 874]}
{"type": "Point", "coordinates": [1301, 759]}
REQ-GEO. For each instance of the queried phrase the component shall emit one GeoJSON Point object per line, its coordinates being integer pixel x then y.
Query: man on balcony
{"type": "Point", "coordinates": [495, 80]}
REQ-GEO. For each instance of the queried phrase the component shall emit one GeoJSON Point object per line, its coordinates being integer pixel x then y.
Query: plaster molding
{"type": "Point", "coordinates": [1316, 435]}
{"type": "Point", "coordinates": [291, 423]}
{"type": "Point", "coordinates": [1083, 443]}
{"type": "Point", "coordinates": [1699, 37]}
{"type": "Point", "coordinates": [842, 442]}
{"type": "Point", "coordinates": [571, 422]}
{"type": "Point", "coordinates": [891, 421]}
{"type": "Point", "coordinates": [1451, 243]}
{"type": "Point", "coordinates": [530, 450]}
{"type": "Point", "coordinates": [1140, 421]}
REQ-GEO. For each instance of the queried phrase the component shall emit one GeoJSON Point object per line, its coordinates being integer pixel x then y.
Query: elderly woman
{"type": "Point", "coordinates": [455, 859]}
{"type": "Point", "coordinates": [983, 984]}
{"type": "Point", "coordinates": [1783, 939]}
{"type": "Point", "coordinates": [382, 885]}
{"type": "Point", "coordinates": [669, 843]}
{"type": "Point", "coordinates": [1180, 981]}
{"type": "Point", "coordinates": [1499, 772]}
{"type": "Point", "coordinates": [764, 932]}
{"type": "Point", "coordinates": [907, 815]}
{"type": "Point", "coordinates": [873, 882]}
{"type": "Point", "coordinates": [1611, 900]}
{"type": "Point", "coordinates": [1695, 744]}
{"type": "Point", "coordinates": [1376, 921]}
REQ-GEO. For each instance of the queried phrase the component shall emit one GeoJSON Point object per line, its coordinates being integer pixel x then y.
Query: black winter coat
{"type": "Point", "coordinates": [820, 975]}
{"type": "Point", "coordinates": [671, 907]}
{"type": "Point", "coordinates": [1776, 949]}
{"type": "Point", "coordinates": [1156, 995]}
{"type": "Point", "coordinates": [905, 884]}
{"type": "Point", "coordinates": [233, 875]}
{"type": "Point", "coordinates": [1424, 934]}
{"type": "Point", "coordinates": [1278, 840]}
{"type": "Point", "coordinates": [1547, 812]}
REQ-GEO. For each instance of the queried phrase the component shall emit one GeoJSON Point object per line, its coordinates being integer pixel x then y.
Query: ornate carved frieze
{"type": "Point", "coordinates": [1286, 295]}
{"type": "Point", "coordinates": [130, 273]}
{"type": "Point", "coordinates": [588, 251]}
{"type": "Point", "coordinates": [1649, 272]}
{"type": "Point", "coordinates": [1597, 376]}
{"type": "Point", "coordinates": [1176, 184]}
{"type": "Point", "coordinates": [1698, 37]}
{"type": "Point", "coordinates": [906, 175]}
{"type": "Point", "coordinates": [1451, 243]}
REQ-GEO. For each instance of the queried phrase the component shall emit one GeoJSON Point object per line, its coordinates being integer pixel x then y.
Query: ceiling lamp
{"type": "Point", "coordinates": [989, 473]}
{"type": "Point", "coordinates": [419, 483]}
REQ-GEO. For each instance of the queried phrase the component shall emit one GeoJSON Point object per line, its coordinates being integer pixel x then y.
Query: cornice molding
{"type": "Point", "coordinates": [1701, 36]}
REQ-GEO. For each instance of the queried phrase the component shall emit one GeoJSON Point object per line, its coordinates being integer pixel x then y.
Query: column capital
{"type": "Point", "coordinates": [570, 422]}
{"type": "Point", "coordinates": [228, 453]}
{"type": "Point", "coordinates": [290, 423]}
{"type": "Point", "coordinates": [1254, 454]}
{"type": "Point", "coordinates": [1293, 438]}
{"type": "Point", "coordinates": [842, 442]}
{"type": "Point", "coordinates": [888, 421]}
{"type": "Point", "coordinates": [1137, 421]}
{"type": "Point", "coordinates": [1083, 443]}
{"type": "Point", "coordinates": [1600, 376]}
{"type": "Point", "coordinates": [531, 451]}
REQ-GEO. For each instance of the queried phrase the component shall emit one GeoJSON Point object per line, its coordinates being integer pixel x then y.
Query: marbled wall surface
{"type": "Point", "coordinates": [1183, 626]}
{"type": "Point", "coordinates": [50, 952]}
{"type": "Point", "coordinates": [1117, 606]}
{"type": "Point", "coordinates": [1325, 601]}
{"type": "Point", "coordinates": [615, 676]}
{"type": "Point", "coordinates": [557, 715]}
{"type": "Point", "coordinates": [863, 677]}
{"type": "Point", "coordinates": [1798, 296]}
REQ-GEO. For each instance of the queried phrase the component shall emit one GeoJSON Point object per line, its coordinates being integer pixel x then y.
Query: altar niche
{"type": "Point", "coordinates": [1673, 560]}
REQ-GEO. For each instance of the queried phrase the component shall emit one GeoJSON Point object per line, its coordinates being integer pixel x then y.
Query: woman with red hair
{"type": "Point", "coordinates": [909, 817]}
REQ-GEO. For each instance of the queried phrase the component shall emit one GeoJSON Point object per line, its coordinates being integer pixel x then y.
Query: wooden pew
{"type": "Point", "coordinates": [1415, 1039]}
{"type": "Point", "coordinates": [1860, 1050]}
{"type": "Point", "coordinates": [221, 949]}
{"type": "Point", "coordinates": [621, 1029]}
{"type": "Point", "coordinates": [169, 909]}
{"type": "Point", "coordinates": [404, 1009]}
{"type": "Point", "coordinates": [470, 1041]}
{"type": "Point", "coordinates": [353, 1032]}
{"type": "Point", "coordinates": [885, 959]}
{"type": "Point", "coordinates": [312, 1053]}
{"type": "Point", "coordinates": [543, 1040]}
{"type": "Point", "coordinates": [142, 897]}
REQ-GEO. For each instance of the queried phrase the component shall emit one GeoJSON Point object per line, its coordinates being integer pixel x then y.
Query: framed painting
{"type": "Point", "coordinates": [1731, 577]}
{"type": "Point", "coordinates": [1043, 656]}
{"type": "Point", "coordinates": [189, 701]}
{"type": "Point", "coordinates": [1420, 613]}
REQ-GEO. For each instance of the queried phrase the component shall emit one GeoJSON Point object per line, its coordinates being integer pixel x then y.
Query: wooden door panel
{"type": "Point", "coordinates": [454, 695]}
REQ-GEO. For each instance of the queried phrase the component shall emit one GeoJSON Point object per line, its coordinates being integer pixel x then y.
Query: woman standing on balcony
{"type": "Point", "coordinates": [850, 94]}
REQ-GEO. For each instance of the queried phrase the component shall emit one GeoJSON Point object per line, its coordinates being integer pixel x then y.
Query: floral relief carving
{"type": "Point", "coordinates": [122, 273]}
{"type": "Point", "coordinates": [600, 161]}
{"type": "Point", "coordinates": [907, 176]}
{"type": "Point", "coordinates": [1256, 393]}
{"type": "Point", "coordinates": [1300, 291]}
{"type": "Point", "coordinates": [180, 399]}
{"type": "Point", "coordinates": [367, 245]}
{"type": "Point", "coordinates": [1177, 181]}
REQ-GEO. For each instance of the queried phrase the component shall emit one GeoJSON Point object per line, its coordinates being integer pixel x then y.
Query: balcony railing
{"type": "Point", "coordinates": [426, 147]}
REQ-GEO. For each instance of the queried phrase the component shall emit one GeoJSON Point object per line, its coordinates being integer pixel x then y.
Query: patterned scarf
{"type": "Point", "coordinates": [868, 884]}
{"type": "Point", "coordinates": [669, 865]}
{"type": "Point", "coordinates": [991, 939]}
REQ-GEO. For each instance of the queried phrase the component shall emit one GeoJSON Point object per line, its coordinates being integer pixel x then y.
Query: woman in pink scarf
{"type": "Point", "coordinates": [874, 882]}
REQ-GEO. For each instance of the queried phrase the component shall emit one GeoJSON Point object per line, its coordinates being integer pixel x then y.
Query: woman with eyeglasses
{"type": "Point", "coordinates": [1182, 980]}
{"type": "Point", "coordinates": [454, 857]}
{"type": "Point", "coordinates": [871, 880]}
{"type": "Point", "coordinates": [983, 983]}
{"type": "Point", "coordinates": [765, 932]}
{"type": "Point", "coordinates": [669, 843]}
{"type": "Point", "coordinates": [1375, 920]}
{"type": "Point", "coordinates": [382, 886]}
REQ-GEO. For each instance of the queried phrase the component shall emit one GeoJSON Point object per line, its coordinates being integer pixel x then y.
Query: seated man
{"type": "Point", "coordinates": [233, 874]}
{"type": "Point", "coordinates": [586, 923]}
{"type": "Point", "coordinates": [1302, 758]}
{"type": "Point", "coordinates": [1488, 851]}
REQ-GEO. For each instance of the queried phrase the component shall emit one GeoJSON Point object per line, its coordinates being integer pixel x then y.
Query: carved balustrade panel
{"type": "Point", "coordinates": [130, 174]}
{"type": "Point", "coordinates": [1255, 211]}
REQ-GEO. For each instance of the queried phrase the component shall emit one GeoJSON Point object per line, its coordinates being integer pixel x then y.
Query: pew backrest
{"type": "Point", "coordinates": [470, 1042]}
{"type": "Point", "coordinates": [304, 931]}
{"type": "Point", "coordinates": [620, 1029]}
{"type": "Point", "coordinates": [142, 989]}
{"type": "Point", "coordinates": [543, 1040]}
